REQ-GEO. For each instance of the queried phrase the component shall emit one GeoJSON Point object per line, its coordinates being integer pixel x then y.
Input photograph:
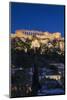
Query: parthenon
{"type": "Point", "coordinates": [38, 34]}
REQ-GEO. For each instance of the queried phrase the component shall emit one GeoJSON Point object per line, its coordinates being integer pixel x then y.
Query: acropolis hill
{"type": "Point", "coordinates": [39, 37]}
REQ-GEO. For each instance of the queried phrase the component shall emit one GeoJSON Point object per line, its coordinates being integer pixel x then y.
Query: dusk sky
{"type": "Point", "coordinates": [40, 17]}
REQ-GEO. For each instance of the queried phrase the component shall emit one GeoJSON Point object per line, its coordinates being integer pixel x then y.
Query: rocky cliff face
{"type": "Point", "coordinates": [36, 39]}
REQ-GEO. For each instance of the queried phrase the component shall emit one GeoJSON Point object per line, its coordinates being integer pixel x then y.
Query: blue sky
{"type": "Point", "coordinates": [37, 17]}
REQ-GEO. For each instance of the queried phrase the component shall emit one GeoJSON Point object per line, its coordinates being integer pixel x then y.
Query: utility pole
{"type": "Point", "coordinates": [35, 78]}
